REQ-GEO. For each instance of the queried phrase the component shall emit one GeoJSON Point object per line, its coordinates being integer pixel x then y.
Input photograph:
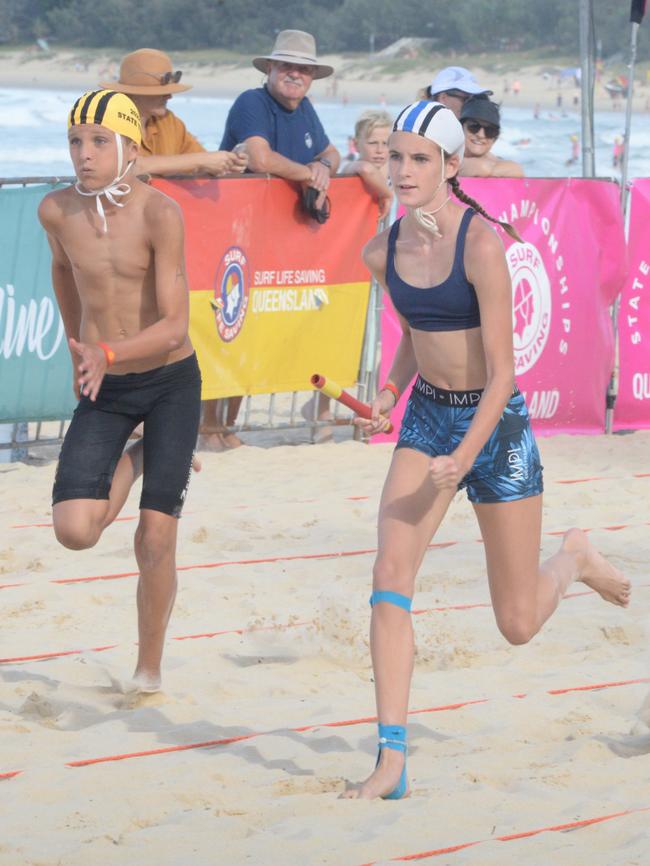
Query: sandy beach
{"type": "Point", "coordinates": [357, 79]}
{"type": "Point", "coordinates": [268, 702]}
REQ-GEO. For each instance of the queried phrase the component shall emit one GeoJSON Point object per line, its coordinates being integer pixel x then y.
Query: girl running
{"type": "Point", "coordinates": [466, 424]}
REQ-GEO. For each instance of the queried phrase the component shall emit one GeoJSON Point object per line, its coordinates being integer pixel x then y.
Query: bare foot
{"type": "Point", "coordinates": [323, 435]}
{"type": "Point", "coordinates": [145, 683]}
{"type": "Point", "coordinates": [598, 574]}
{"type": "Point", "coordinates": [231, 440]}
{"type": "Point", "coordinates": [212, 442]}
{"type": "Point", "coordinates": [382, 781]}
{"type": "Point", "coordinates": [141, 684]}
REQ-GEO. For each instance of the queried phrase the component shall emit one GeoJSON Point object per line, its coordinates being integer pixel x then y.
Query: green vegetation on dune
{"type": "Point", "coordinates": [467, 27]}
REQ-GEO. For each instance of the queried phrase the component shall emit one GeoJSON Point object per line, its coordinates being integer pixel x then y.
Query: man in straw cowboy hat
{"type": "Point", "coordinates": [280, 128]}
{"type": "Point", "coordinates": [282, 136]}
{"type": "Point", "coordinates": [149, 79]}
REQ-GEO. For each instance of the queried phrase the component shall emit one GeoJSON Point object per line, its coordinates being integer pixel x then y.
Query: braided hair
{"type": "Point", "coordinates": [462, 196]}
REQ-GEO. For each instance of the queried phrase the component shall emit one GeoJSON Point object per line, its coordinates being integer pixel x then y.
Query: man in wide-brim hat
{"type": "Point", "coordinates": [148, 77]}
{"type": "Point", "coordinates": [280, 128]}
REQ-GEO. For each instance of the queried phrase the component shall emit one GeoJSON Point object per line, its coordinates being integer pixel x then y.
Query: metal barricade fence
{"type": "Point", "coordinates": [260, 414]}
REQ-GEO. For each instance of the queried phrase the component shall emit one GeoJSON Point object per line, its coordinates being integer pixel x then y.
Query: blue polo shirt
{"type": "Point", "coordinates": [297, 135]}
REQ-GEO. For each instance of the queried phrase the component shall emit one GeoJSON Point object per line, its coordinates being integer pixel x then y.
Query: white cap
{"type": "Point", "coordinates": [456, 78]}
{"type": "Point", "coordinates": [434, 121]}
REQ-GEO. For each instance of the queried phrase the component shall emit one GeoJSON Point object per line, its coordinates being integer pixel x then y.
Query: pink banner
{"type": "Point", "coordinates": [565, 275]}
{"type": "Point", "coordinates": [632, 409]}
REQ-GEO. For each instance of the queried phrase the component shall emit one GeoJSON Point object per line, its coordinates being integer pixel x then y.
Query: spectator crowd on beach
{"type": "Point", "coordinates": [274, 129]}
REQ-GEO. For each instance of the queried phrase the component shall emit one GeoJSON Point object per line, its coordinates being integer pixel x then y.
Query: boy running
{"type": "Point", "coordinates": [119, 277]}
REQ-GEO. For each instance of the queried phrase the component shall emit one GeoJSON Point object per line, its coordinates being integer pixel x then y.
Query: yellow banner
{"type": "Point", "coordinates": [287, 335]}
{"type": "Point", "coordinates": [274, 296]}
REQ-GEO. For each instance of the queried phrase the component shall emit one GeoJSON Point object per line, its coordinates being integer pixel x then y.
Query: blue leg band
{"type": "Point", "coordinates": [395, 598]}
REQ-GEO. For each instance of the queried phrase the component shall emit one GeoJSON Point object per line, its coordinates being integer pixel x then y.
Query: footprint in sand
{"type": "Point", "coordinates": [38, 707]}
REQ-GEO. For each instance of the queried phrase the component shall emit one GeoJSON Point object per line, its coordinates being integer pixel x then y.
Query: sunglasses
{"type": "Point", "coordinates": [167, 77]}
{"type": "Point", "coordinates": [171, 77]}
{"type": "Point", "coordinates": [473, 126]}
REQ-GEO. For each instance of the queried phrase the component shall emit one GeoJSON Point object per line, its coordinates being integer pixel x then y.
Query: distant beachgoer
{"type": "Point", "coordinates": [536, 110]}
{"type": "Point", "coordinates": [167, 147]}
{"type": "Point", "coordinates": [453, 86]}
{"type": "Point", "coordinates": [278, 125]}
{"type": "Point", "coordinates": [516, 87]}
{"type": "Point", "coordinates": [481, 121]}
{"type": "Point", "coordinates": [118, 270]}
{"type": "Point", "coordinates": [466, 425]}
{"type": "Point", "coordinates": [575, 150]}
{"type": "Point", "coordinates": [618, 151]}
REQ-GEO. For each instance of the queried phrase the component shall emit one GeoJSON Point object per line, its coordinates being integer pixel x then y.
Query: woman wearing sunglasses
{"type": "Point", "coordinates": [482, 124]}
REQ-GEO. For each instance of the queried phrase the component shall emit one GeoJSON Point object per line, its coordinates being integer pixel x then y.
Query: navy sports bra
{"type": "Point", "coordinates": [450, 306]}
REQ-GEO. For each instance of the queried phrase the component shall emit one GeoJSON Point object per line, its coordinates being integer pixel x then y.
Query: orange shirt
{"type": "Point", "coordinates": [168, 136]}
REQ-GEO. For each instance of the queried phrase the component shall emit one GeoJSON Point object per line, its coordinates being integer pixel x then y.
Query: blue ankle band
{"type": "Point", "coordinates": [392, 737]}
{"type": "Point", "coordinates": [395, 598]}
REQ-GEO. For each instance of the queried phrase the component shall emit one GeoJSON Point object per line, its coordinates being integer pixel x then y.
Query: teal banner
{"type": "Point", "coordinates": [35, 367]}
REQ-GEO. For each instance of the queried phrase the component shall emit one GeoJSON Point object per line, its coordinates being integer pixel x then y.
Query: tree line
{"type": "Point", "coordinates": [466, 26]}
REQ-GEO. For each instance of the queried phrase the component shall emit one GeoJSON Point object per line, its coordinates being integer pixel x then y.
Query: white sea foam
{"type": "Point", "coordinates": [34, 140]}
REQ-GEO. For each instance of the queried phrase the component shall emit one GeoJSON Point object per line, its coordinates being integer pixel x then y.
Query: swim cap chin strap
{"type": "Point", "coordinates": [426, 218]}
{"type": "Point", "coordinates": [114, 189]}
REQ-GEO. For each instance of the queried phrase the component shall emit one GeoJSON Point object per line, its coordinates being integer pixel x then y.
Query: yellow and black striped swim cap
{"type": "Point", "coordinates": [108, 108]}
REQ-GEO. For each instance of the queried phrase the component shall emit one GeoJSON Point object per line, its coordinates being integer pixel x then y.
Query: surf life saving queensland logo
{"type": "Point", "coordinates": [231, 287]}
{"type": "Point", "coordinates": [531, 304]}
{"type": "Point", "coordinates": [532, 292]}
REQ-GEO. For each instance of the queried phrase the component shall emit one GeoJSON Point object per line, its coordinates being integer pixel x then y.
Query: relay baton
{"type": "Point", "coordinates": [331, 389]}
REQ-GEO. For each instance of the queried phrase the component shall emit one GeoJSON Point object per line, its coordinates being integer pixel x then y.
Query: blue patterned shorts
{"type": "Point", "coordinates": [508, 466]}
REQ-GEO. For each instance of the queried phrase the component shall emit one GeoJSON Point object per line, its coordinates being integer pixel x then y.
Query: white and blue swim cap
{"type": "Point", "coordinates": [434, 121]}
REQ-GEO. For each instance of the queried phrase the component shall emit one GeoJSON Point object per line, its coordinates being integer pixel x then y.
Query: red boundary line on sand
{"type": "Point", "coordinates": [128, 517]}
{"type": "Point", "coordinates": [290, 558]}
{"type": "Point", "coordinates": [351, 498]}
{"type": "Point", "coordinates": [337, 554]}
{"type": "Point", "coordinates": [273, 627]}
{"type": "Point", "coordinates": [98, 649]}
{"type": "Point", "coordinates": [300, 556]}
{"type": "Point", "coordinates": [524, 834]}
{"type": "Point", "coordinates": [85, 762]}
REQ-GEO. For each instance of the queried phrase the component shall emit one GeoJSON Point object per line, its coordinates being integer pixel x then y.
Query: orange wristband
{"type": "Point", "coordinates": [394, 390]}
{"type": "Point", "coordinates": [109, 353]}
